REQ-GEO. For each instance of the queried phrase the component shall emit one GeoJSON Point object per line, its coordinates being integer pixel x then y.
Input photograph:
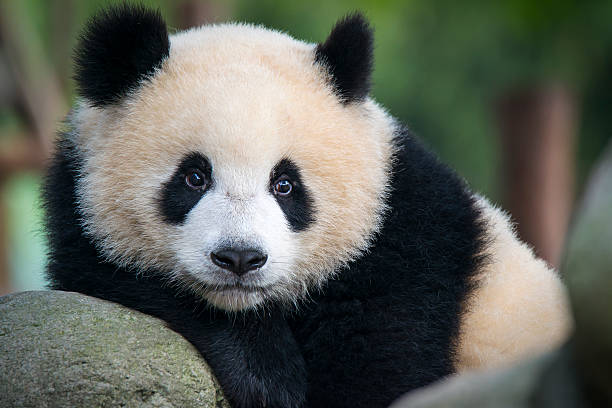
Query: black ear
{"type": "Point", "coordinates": [120, 47]}
{"type": "Point", "coordinates": [348, 55]}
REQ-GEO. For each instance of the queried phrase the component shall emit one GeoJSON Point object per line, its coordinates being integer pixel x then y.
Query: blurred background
{"type": "Point", "coordinates": [515, 95]}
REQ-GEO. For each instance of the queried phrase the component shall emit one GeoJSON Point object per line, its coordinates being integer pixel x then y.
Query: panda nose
{"type": "Point", "coordinates": [238, 261]}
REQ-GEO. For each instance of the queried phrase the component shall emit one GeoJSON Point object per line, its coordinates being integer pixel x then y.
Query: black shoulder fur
{"type": "Point", "coordinates": [120, 47]}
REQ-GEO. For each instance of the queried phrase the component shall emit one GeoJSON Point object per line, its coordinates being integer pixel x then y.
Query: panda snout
{"type": "Point", "coordinates": [239, 261]}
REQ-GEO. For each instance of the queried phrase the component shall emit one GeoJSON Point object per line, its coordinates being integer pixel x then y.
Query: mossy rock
{"type": "Point", "coordinates": [62, 349]}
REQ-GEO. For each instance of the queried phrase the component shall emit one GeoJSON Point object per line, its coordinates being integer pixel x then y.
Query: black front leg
{"type": "Point", "coordinates": [255, 358]}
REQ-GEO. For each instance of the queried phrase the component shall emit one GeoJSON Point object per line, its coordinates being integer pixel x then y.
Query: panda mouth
{"type": "Point", "coordinates": [239, 287]}
{"type": "Point", "coordinates": [238, 296]}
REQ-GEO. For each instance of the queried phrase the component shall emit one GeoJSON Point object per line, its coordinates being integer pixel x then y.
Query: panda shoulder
{"type": "Point", "coordinates": [519, 306]}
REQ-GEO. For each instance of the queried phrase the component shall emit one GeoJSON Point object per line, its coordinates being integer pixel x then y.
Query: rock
{"type": "Point", "coordinates": [580, 373]}
{"type": "Point", "coordinates": [546, 381]}
{"type": "Point", "coordinates": [588, 271]}
{"type": "Point", "coordinates": [62, 349]}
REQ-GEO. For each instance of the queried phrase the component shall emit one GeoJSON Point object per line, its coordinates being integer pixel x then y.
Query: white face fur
{"type": "Point", "coordinates": [245, 98]}
{"type": "Point", "coordinates": [238, 212]}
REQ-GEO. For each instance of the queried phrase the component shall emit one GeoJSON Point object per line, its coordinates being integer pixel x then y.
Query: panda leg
{"type": "Point", "coordinates": [256, 360]}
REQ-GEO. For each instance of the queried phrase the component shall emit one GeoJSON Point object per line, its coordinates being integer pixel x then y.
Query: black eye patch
{"type": "Point", "coordinates": [176, 197]}
{"type": "Point", "coordinates": [298, 207]}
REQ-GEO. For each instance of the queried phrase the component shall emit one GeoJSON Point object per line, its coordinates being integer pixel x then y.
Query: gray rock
{"type": "Point", "coordinates": [547, 381]}
{"type": "Point", "coordinates": [61, 349]}
{"type": "Point", "coordinates": [588, 271]}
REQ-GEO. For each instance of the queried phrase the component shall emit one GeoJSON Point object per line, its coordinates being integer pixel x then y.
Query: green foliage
{"type": "Point", "coordinates": [27, 247]}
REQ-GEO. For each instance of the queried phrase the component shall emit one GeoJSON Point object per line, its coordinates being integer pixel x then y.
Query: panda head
{"type": "Point", "coordinates": [235, 161]}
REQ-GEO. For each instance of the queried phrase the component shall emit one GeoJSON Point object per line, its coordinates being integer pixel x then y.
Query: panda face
{"type": "Point", "coordinates": [237, 226]}
{"type": "Point", "coordinates": [235, 171]}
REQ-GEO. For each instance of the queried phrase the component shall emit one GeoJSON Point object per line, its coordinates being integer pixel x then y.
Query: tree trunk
{"type": "Point", "coordinates": [537, 128]}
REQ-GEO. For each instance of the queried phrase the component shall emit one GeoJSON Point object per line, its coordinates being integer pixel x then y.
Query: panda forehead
{"type": "Point", "coordinates": [214, 45]}
{"type": "Point", "coordinates": [242, 108]}
{"type": "Point", "coordinates": [231, 104]}
{"type": "Point", "coordinates": [241, 130]}
{"type": "Point", "coordinates": [244, 55]}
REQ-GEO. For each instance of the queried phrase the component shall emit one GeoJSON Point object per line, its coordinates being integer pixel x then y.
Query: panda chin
{"type": "Point", "coordinates": [229, 295]}
{"type": "Point", "coordinates": [236, 297]}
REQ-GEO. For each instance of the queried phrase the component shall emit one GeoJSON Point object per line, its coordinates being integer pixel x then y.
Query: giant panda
{"type": "Point", "coordinates": [243, 187]}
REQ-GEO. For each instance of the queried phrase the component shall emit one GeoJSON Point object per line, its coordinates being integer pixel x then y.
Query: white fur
{"type": "Point", "coordinates": [239, 211]}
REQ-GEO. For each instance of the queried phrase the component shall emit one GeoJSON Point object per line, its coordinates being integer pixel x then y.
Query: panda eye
{"type": "Point", "coordinates": [283, 187]}
{"type": "Point", "coordinates": [195, 180]}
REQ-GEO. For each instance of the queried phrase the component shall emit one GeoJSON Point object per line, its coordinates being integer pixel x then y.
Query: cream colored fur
{"type": "Point", "coordinates": [520, 307]}
{"type": "Point", "coordinates": [246, 97]}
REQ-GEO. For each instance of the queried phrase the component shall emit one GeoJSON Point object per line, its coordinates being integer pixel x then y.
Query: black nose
{"type": "Point", "coordinates": [239, 261]}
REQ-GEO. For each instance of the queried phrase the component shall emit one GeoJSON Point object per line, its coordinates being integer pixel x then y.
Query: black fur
{"type": "Point", "coordinates": [348, 54]}
{"type": "Point", "coordinates": [386, 325]}
{"type": "Point", "coordinates": [298, 207]}
{"type": "Point", "coordinates": [120, 47]}
{"type": "Point", "coordinates": [176, 198]}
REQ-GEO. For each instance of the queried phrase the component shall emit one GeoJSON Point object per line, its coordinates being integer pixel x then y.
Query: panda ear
{"type": "Point", "coordinates": [348, 55]}
{"type": "Point", "coordinates": [120, 47]}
